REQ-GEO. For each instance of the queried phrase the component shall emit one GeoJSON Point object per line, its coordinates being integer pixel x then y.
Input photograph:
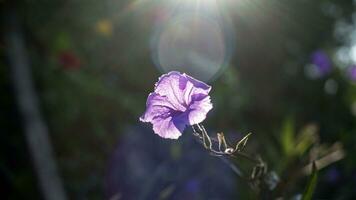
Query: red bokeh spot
{"type": "Point", "coordinates": [68, 60]}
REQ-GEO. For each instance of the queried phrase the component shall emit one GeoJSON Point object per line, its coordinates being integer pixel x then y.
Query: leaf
{"type": "Point", "coordinates": [62, 41]}
{"type": "Point", "coordinates": [305, 139]}
{"type": "Point", "coordinates": [288, 137]}
{"type": "Point", "coordinates": [309, 190]}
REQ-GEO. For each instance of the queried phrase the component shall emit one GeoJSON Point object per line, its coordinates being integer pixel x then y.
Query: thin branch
{"type": "Point", "coordinates": [203, 137]}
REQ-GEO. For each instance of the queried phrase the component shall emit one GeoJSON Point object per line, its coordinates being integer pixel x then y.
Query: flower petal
{"type": "Point", "coordinates": [203, 87]}
{"type": "Point", "coordinates": [156, 106]}
{"type": "Point", "coordinates": [199, 108]}
{"type": "Point", "coordinates": [168, 127]}
{"type": "Point", "coordinates": [168, 85]}
{"type": "Point", "coordinates": [193, 87]}
{"type": "Point", "coordinates": [179, 88]}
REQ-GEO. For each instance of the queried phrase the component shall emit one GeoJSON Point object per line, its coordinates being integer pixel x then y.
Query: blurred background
{"type": "Point", "coordinates": [75, 75]}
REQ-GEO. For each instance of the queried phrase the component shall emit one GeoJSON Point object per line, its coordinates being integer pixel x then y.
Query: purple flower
{"type": "Point", "coordinates": [178, 100]}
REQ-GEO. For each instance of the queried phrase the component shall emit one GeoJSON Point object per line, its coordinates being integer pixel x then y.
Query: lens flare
{"type": "Point", "coordinates": [195, 40]}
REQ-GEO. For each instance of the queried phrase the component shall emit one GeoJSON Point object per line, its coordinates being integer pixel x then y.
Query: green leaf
{"type": "Point", "coordinates": [309, 190]}
{"type": "Point", "coordinates": [288, 137]}
{"type": "Point", "coordinates": [62, 41]}
{"type": "Point", "coordinates": [305, 139]}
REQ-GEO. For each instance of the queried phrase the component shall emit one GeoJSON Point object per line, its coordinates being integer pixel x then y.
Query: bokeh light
{"type": "Point", "coordinates": [320, 65]}
{"type": "Point", "coordinates": [194, 39]}
{"type": "Point", "coordinates": [353, 53]}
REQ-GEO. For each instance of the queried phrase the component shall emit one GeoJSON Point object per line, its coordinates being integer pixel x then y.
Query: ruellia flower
{"type": "Point", "coordinates": [178, 100]}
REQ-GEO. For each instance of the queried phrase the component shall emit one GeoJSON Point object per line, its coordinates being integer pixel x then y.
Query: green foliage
{"type": "Point", "coordinates": [306, 137]}
{"type": "Point", "coordinates": [297, 144]}
{"type": "Point", "coordinates": [61, 42]}
{"type": "Point", "coordinates": [309, 190]}
{"type": "Point", "coordinates": [288, 138]}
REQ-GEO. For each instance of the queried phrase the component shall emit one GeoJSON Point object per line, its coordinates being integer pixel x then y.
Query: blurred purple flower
{"type": "Point", "coordinates": [178, 100]}
{"type": "Point", "coordinates": [153, 168]}
{"type": "Point", "coordinates": [321, 62]}
{"type": "Point", "coordinates": [352, 73]}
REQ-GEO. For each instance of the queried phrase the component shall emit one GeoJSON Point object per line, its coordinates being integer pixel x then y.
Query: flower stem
{"type": "Point", "coordinates": [207, 142]}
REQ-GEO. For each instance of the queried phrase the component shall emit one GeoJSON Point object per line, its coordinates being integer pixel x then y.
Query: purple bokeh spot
{"type": "Point", "coordinates": [333, 175]}
{"type": "Point", "coordinates": [322, 62]}
{"type": "Point", "coordinates": [352, 73]}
